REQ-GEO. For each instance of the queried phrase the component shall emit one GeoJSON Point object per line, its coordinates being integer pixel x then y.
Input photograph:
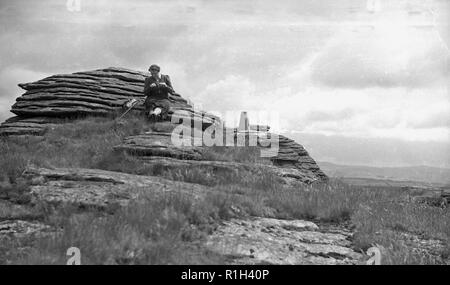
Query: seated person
{"type": "Point", "coordinates": [157, 88]}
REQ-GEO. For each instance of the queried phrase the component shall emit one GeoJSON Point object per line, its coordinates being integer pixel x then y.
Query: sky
{"type": "Point", "coordinates": [336, 73]}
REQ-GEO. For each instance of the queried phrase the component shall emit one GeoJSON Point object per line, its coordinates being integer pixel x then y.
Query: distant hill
{"type": "Point", "coordinates": [378, 152]}
{"type": "Point", "coordinates": [424, 174]}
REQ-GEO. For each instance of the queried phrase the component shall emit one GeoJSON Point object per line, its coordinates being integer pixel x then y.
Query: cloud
{"type": "Point", "coordinates": [440, 119]}
{"type": "Point", "coordinates": [325, 66]}
{"type": "Point", "coordinates": [374, 151]}
{"type": "Point", "coordinates": [389, 113]}
{"type": "Point", "coordinates": [233, 93]}
{"type": "Point", "coordinates": [384, 57]}
{"type": "Point", "coordinates": [321, 116]}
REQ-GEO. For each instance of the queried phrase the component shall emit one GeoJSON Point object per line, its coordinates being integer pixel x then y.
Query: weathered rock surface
{"type": "Point", "coordinates": [292, 155]}
{"type": "Point", "coordinates": [223, 169]}
{"type": "Point", "coordinates": [100, 188]}
{"type": "Point", "coordinates": [273, 241]}
{"type": "Point", "coordinates": [158, 144]}
{"type": "Point", "coordinates": [26, 126]}
{"type": "Point", "coordinates": [94, 92]}
{"type": "Point", "coordinates": [292, 161]}
{"type": "Point", "coordinates": [427, 250]}
{"type": "Point", "coordinates": [97, 92]}
{"type": "Point", "coordinates": [429, 195]}
{"type": "Point", "coordinates": [104, 91]}
{"type": "Point", "coordinates": [20, 228]}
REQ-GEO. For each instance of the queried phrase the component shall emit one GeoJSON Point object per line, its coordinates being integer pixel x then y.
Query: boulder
{"type": "Point", "coordinates": [20, 228]}
{"type": "Point", "coordinates": [158, 144]}
{"type": "Point", "coordinates": [97, 93]}
{"type": "Point", "coordinates": [273, 241]}
{"type": "Point", "coordinates": [224, 169]}
{"type": "Point", "coordinates": [293, 155]}
{"type": "Point", "coordinates": [292, 161]}
{"type": "Point", "coordinates": [104, 91]}
{"type": "Point", "coordinates": [99, 188]}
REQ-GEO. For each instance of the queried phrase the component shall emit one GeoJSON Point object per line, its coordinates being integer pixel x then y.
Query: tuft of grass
{"type": "Point", "coordinates": [386, 222]}
{"type": "Point", "coordinates": [12, 162]}
{"type": "Point", "coordinates": [255, 177]}
{"type": "Point", "coordinates": [82, 143]}
{"type": "Point", "coordinates": [18, 192]}
{"type": "Point", "coordinates": [9, 210]}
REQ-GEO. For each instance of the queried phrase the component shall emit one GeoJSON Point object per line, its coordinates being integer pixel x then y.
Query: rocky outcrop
{"type": "Point", "coordinates": [98, 92]}
{"type": "Point", "coordinates": [36, 126]}
{"type": "Point", "coordinates": [104, 92]}
{"type": "Point", "coordinates": [291, 162]}
{"type": "Point", "coordinates": [99, 188]}
{"type": "Point", "coordinates": [292, 155]}
{"type": "Point", "coordinates": [273, 241]}
{"type": "Point", "coordinates": [229, 169]}
{"type": "Point", "coordinates": [158, 144]}
{"type": "Point", "coordinates": [20, 228]}
{"type": "Point", "coordinates": [439, 197]}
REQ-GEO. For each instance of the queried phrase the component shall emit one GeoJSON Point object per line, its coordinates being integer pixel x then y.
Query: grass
{"type": "Point", "coordinates": [171, 228]}
{"type": "Point", "coordinates": [79, 144]}
{"type": "Point", "coordinates": [391, 224]}
{"type": "Point", "coordinates": [249, 154]}
{"type": "Point", "coordinates": [151, 230]}
{"type": "Point", "coordinates": [167, 230]}
{"type": "Point", "coordinates": [205, 175]}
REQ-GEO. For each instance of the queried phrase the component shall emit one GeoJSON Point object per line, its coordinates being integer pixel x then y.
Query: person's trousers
{"type": "Point", "coordinates": [151, 105]}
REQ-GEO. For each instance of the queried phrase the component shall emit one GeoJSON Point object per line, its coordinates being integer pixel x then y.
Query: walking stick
{"type": "Point", "coordinates": [133, 102]}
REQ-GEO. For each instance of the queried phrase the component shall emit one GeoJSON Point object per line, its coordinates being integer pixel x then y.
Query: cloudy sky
{"type": "Point", "coordinates": [335, 71]}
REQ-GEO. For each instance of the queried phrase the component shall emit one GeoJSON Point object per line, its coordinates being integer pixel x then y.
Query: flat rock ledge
{"type": "Point", "coordinates": [100, 188]}
{"type": "Point", "coordinates": [288, 176]}
{"type": "Point", "coordinates": [20, 228]}
{"type": "Point", "coordinates": [274, 241]}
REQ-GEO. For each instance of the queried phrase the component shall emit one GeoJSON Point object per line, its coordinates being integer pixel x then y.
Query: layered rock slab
{"type": "Point", "coordinates": [96, 93]}
{"type": "Point", "coordinates": [100, 188]}
{"type": "Point", "coordinates": [158, 144]}
{"type": "Point", "coordinates": [229, 169]}
{"type": "Point", "coordinates": [274, 241]}
{"type": "Point", "coordinates": [104, 91]}
{"type": "Point", "coordinates": [294, 156]}
{"type": "Point", "coordinates": [20, 228]}
{"type": "Point", "coordinates": [36, 126]}
{"type": "Point", "coordinates": [290, 160]}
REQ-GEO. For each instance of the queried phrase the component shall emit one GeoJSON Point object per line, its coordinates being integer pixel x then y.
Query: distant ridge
{"type": "Point", "coordinates": [426, 174]}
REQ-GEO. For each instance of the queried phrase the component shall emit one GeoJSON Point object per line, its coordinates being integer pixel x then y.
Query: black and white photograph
{"type": "Point", "coordinates": [225, 139]}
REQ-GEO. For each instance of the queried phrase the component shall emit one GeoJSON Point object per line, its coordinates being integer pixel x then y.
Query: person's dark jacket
{"type": "Point", "coordinates": [159, 91]}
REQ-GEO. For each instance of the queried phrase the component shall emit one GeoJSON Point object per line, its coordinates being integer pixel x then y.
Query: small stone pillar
{"type": "Point", "coordinates": [244, 124]}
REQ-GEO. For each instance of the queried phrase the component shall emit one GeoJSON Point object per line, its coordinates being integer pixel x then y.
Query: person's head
{"type": "Point", "coordinates": [154, 69]}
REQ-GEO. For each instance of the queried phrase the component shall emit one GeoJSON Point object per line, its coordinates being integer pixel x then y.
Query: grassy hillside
{"type": "Point", "coordinates": [172, 229]}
